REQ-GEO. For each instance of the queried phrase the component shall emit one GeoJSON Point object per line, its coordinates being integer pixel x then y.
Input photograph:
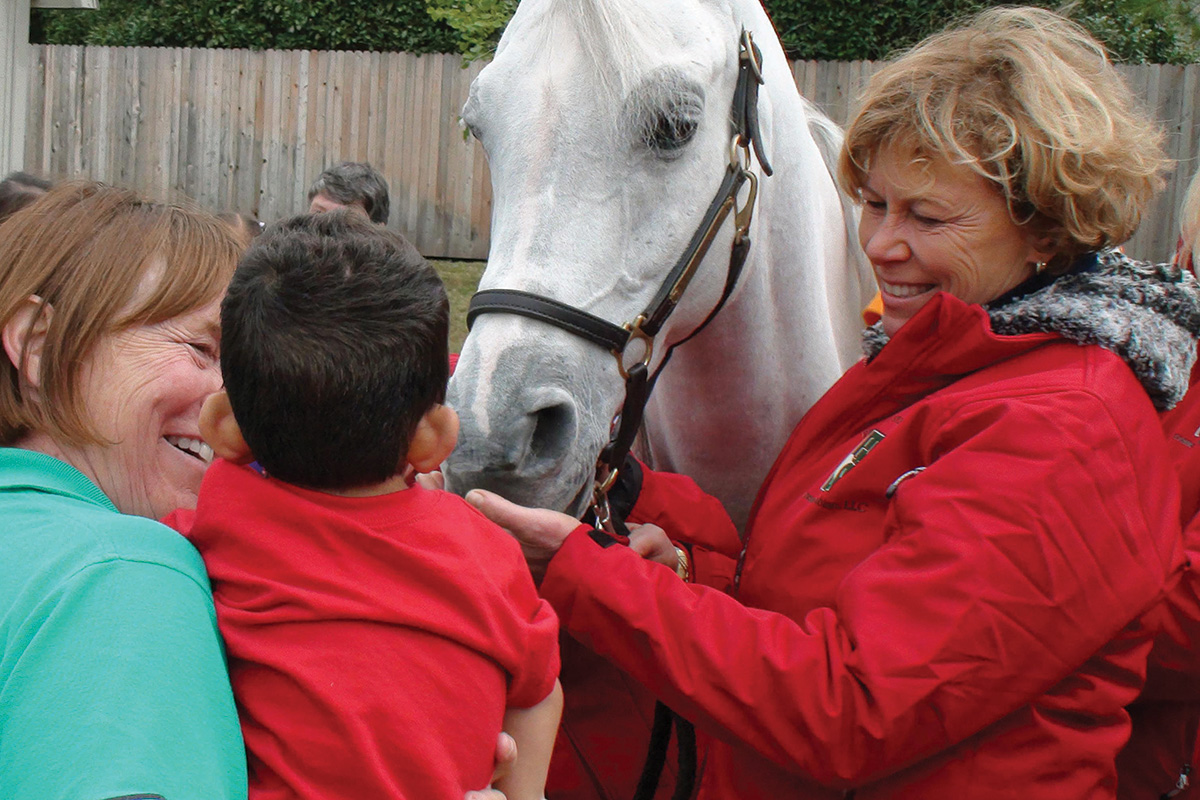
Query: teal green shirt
{"type": "Point", "coordinates": [112, 676]}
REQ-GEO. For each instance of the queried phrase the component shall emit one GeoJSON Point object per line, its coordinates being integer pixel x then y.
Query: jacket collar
{"type": "Point", "coordinates": [1147, 314]}
{"type": "Point", "coordinates": [28, 469]}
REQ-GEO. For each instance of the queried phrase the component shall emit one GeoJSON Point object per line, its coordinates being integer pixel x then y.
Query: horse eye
{"type": "Point", "coordinates": [668, 133]}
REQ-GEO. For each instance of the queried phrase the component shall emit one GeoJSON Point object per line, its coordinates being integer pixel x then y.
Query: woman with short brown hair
{"type": "Point", "coordinates": [111, 669]}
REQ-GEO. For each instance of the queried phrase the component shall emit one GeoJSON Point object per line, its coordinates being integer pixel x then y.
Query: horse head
{"type": "Point", "coordinates": [607, 125]}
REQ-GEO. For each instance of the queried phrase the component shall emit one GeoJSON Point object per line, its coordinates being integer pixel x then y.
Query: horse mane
{"type": "Point", "coordinates": [825, 132]}
{"type": "Point", "coordinates": [828, 136]}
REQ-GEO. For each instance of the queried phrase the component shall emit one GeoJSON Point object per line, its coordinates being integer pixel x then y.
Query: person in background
{"type": "Point", "coordinates": [18, 190]}
{"type": "Point", "coordinates": [246, 227]}
{"type": "Point", "coordinates": [1186, 253]}
{"type": "Point", "coordinates": [1163, 752]}
{"type": "Point", "coordinates": [351, 184]}
{"type": "Point", "coordinates": [944, 585]}
{"type": "Point", "coordinates": [113, 673]}
{"type": "Point", "coordinates": [379, 634]}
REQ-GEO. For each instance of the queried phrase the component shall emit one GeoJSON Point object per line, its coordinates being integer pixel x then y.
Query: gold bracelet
{"type": "Point", "coordinates": [683, 567]}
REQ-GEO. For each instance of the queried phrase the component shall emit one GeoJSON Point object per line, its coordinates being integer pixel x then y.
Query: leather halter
{"type": "Point", "coordinates": [646, 326]}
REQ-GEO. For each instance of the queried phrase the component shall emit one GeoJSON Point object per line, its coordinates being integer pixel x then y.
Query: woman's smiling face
{"type": "Point", "coordinates": [930, 226]}
{"type": "Point", "coordinates": [143, 388]}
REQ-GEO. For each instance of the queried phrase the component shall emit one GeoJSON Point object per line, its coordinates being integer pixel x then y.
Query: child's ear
{"type": "Point", "coordinates": [434, 439]}
{"type": "Point", "coordinates": [221, 431]}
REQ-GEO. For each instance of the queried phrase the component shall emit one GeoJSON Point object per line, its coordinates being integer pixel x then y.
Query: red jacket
{"type": "Point", "coordinates": [940, 591]}
{"type": "Point", "coordinates": [605, 732]}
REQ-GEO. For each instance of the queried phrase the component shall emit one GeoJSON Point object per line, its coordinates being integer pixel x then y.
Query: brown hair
{"type": "Point", "coordinates": [102, 259]}
{"type": "Point", "coordinates": [1029, 100]}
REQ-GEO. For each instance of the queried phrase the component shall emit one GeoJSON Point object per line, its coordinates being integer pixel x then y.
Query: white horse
{"type": "Point", "coordinates": [607, 129]}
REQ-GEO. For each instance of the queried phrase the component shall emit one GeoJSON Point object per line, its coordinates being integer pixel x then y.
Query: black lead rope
{"type": "Point", "coordinates": [656, 758]}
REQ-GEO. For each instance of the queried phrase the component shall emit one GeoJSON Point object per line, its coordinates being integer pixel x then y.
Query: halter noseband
{"type": "Point", "coordinates": [648, 324]}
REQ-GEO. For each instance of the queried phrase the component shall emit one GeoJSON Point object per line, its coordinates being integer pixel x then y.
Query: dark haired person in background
{"type": "Point", "coordinates": [18, 190]}
{"type": "Point", "coordinates": [351, 184]}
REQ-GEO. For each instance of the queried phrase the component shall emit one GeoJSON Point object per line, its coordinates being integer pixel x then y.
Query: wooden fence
{"type": "Point", "coordinates": [248, 131]}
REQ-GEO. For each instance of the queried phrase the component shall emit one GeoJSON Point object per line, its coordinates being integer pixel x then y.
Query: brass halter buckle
{"type": "Point", "coordinates": [746, 53]}
{"type": "Point", "coordinates": [636, 333]}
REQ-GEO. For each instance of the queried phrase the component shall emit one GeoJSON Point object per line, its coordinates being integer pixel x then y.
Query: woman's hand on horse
{"type": "Point", "coordinates": [540, 531]}
{"type": "Point", "coordinates": [651, 543]}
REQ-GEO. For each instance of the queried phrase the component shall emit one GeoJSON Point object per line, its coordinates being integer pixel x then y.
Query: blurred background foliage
{"type": "Point", "coordinates": [1136, 31]}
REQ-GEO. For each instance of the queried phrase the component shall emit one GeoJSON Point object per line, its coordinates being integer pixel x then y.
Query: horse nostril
{"type": "Point", "coordinates": [552, 431]}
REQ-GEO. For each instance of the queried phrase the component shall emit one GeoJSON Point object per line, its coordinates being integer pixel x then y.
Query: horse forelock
{"type": "Point", "coordinates": [623, 39]}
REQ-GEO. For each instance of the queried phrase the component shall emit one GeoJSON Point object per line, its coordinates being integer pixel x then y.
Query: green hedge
{"type": "Point", "coordinates": [403, 25]}
{"type": "Point", "coordinates": [1137, 31]}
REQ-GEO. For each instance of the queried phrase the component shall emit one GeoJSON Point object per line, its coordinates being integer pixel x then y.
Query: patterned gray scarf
{"type": "Point", "coordinates": [1148, 314]}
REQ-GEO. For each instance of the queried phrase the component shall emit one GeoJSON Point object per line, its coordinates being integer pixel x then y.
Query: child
{"type": "Point", "coordinates": [379, 634]}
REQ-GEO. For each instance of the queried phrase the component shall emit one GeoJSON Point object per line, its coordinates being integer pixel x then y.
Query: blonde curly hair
{"type": "Point", "coordinates": [1189, 234]}
{"type": "Point", "coordinates": [1029, 100]}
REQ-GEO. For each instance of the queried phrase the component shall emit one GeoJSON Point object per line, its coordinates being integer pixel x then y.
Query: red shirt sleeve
{"type": "Point", "coordinates": [530, 641]}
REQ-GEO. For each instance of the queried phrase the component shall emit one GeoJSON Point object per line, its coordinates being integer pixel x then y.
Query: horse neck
{"type": "Point", "coordinates": [805, 282]}
{"type": "Point", "coordinates": [823, 265]}
{"type": "Point", "coordinates": [788, 332]}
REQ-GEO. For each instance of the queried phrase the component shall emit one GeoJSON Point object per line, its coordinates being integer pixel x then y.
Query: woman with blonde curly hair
{"type": "Point", "coordinates": [944, 581]}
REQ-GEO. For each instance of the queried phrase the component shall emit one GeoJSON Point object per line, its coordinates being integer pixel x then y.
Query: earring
{"type": "Point", "coordinates": [1039, 267]}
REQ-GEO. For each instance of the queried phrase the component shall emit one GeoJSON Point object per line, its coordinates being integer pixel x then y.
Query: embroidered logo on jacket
{"type": "Point", "coordinates": [851, 461]}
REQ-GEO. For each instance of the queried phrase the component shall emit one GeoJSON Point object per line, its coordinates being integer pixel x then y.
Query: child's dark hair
{"type": "Point", "coordinates": [333, 346]}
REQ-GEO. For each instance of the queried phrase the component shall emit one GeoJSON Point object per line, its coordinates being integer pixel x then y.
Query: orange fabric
{"type": "Point", "coordinates": [874, 310]}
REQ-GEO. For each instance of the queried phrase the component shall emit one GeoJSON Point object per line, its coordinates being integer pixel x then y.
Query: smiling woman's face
{"type": "Point", "coordinates": [143, 388]}
{"type": "Point", "coordinates": [932, 226]}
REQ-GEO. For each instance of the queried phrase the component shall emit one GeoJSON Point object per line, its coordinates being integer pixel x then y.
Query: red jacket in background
{"type": "Point", "coordinates": [941, 588]}
{"type": "Point", "coordinates": [1165, 742]}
